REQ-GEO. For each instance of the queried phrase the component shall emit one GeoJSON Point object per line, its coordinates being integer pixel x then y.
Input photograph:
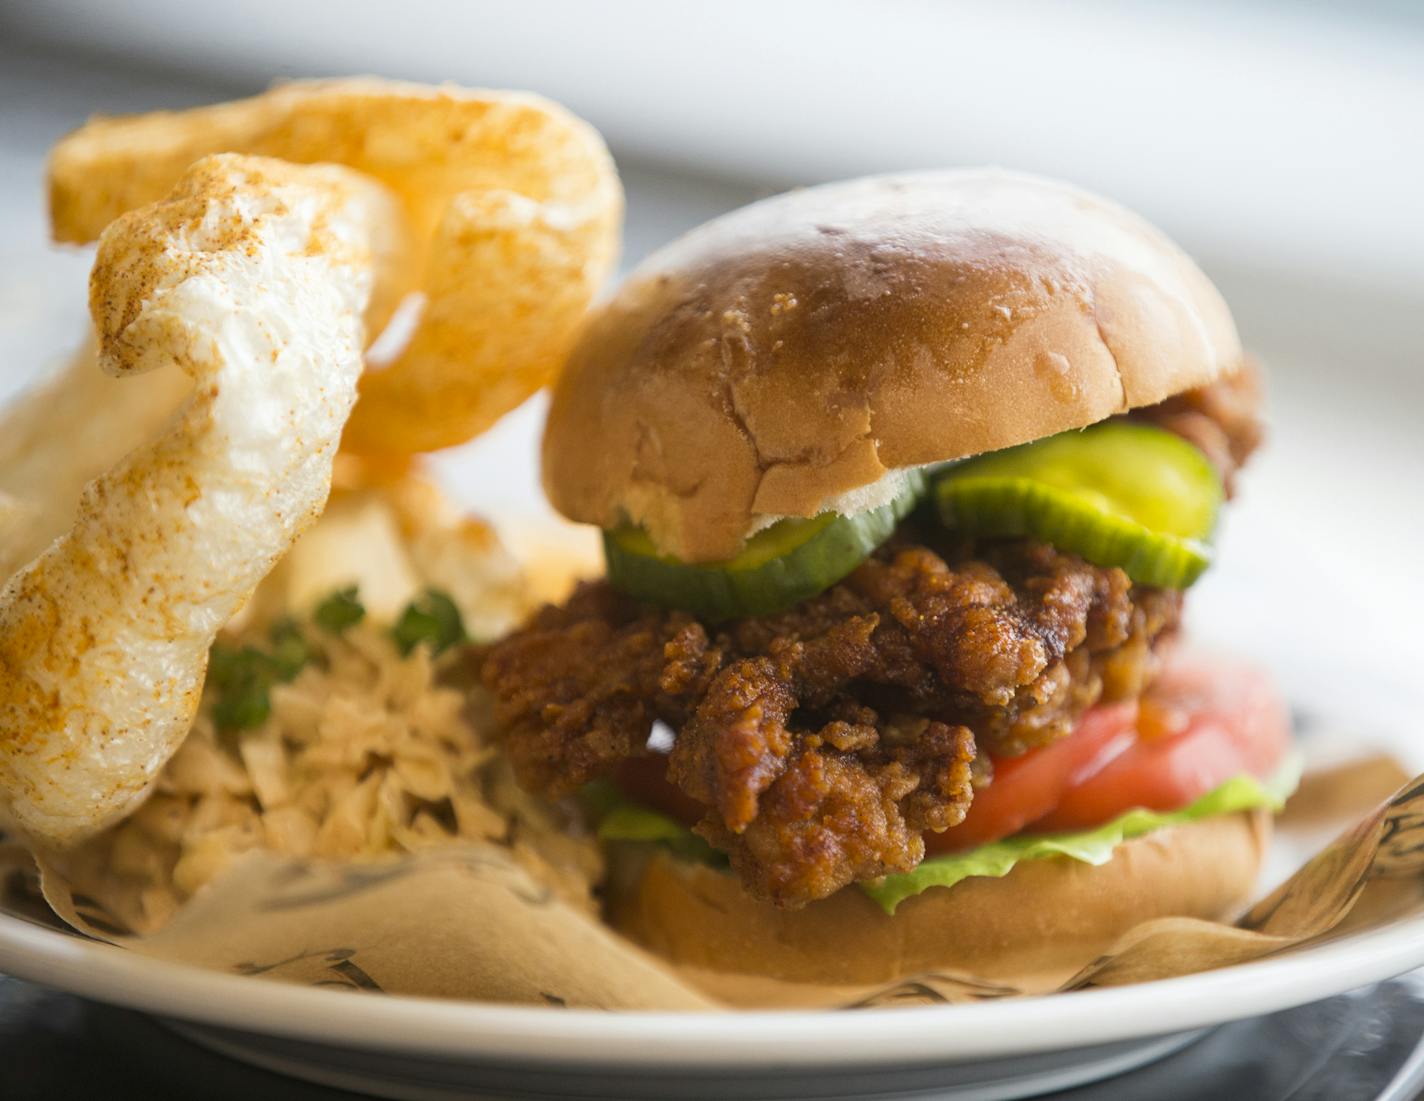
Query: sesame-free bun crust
{"type": "Point", "coordinates": [1046, 917]}
{"type": "Point", "coordinates": [801, 347]}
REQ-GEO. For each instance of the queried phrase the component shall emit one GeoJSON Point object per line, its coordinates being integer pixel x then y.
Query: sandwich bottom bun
{"type": "Point", "coordinates": [1045, 918]}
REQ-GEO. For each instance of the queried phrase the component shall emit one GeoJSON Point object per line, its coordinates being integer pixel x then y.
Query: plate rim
{"type": "Point", "coordinates": [789, 1039]}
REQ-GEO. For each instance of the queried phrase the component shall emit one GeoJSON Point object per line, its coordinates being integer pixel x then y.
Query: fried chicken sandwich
{"type": "Point", "coordinates": [903, 482]}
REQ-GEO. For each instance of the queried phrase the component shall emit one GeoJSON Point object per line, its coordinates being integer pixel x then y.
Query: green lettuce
{"type": "Point", "coordinates": [628, 821]}
{"type": "Point", "coordinates": [1092, 846]}
{"type": "Point", "coordinates": [634, 822]}
{"type": "Point", "coordinates": [622, 820]}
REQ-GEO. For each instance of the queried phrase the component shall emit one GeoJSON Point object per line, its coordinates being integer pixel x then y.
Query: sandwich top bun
{"type": "Point", "coordinates": [797, 350]}
{"type": "Point", "coordinates": [1045, 918]}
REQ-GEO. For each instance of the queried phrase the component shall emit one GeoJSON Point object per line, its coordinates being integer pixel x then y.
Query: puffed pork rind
{"type": "Point", "coordinates": [514, 206]}
{"type": "Point", "coordinates": [254, 277]}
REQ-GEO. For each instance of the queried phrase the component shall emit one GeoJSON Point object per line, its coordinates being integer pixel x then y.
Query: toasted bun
{"type": "Point", "coordinates": [799, 348]}
{"type": "Point", "coordinates": [1045, 917]}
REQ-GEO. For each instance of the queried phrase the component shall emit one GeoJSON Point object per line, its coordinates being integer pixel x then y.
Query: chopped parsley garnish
{"type": "Point", "coordinates": [430, 618]}
{"type": "Point", "coordinates": [243, 677]}
{"type": "Point", "coordinates": [339, 611]}
{"type": "Point", "coordinates": [241, 702]}
{"type": "Point", "coordinates": [290, 651]}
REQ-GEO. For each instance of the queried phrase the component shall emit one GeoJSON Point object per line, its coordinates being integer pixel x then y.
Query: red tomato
{"type": "Point", "coordinates": [1201, 724]}
{"type": "Point", "coordinates": [1027, 787]}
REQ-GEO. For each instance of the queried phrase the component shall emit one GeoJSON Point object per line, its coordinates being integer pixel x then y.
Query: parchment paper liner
{"type": "Point", "coordinates": [470, 923]}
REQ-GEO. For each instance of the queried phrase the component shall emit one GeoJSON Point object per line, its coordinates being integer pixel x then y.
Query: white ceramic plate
{"type": "Point", "coordinates": [1052, 1041]}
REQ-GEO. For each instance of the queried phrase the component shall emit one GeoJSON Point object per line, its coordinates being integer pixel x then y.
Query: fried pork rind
{"type": "Point", "coordinates": [63, 434]}
{"type": "Point", "coordinates": [253, 276]}
{"type": "Point", "coordinates": [513, 203]}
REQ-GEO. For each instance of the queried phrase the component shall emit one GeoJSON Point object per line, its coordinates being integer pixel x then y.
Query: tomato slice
{"type": "Point", "coordinates": [1027, 787]}
{"type": "Point", "coordinates": [1201, 724]}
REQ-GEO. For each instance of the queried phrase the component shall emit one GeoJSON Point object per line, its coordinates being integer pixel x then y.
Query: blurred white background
{"type": "Point", "coordinates": [1278, 142]}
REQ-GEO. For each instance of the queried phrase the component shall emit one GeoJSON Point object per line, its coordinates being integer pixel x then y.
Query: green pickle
{"type": "Point", "coordinates": [1117, 494]}
{"type": "Point", "coordinates": [780, 566]}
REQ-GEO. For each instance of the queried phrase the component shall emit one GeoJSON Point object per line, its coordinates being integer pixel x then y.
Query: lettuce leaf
{"type": "Point", "coordinates": [622, 820]}
{"type": "Point", "coordinates": [629, 821]}
{"type": "Point", "coordinates": [1093, 846]}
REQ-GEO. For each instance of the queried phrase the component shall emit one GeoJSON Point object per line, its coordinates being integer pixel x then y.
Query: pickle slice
{"type": "Point", "coordinates": [779, 567]}
{"type": "Point", "coordinates": [1117, 494]}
